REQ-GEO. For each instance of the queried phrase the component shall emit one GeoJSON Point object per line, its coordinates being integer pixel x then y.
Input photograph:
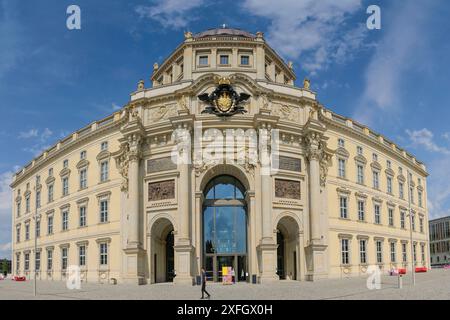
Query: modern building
{"type": "Point", "coordinates": [440, 241]}
{"type": "Point", "coordinates": [329, 200]}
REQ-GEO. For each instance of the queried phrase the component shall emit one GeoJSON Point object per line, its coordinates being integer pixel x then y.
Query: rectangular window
{"type": "Point", "coordinates": [401, 191]}
{"type": "Point", "coordinates": [392, 251]}
{"type": "Point", "coordinates": [104, 171]}
{"type": "Point", "coordinates": [391, 217]}
{"type": "Point", "coordinates": [27, 204]}
{"type": "Point", "coordinates": [414, 252]}
{"type": "Point", "coordinates": [421, 224]}
{"type": "Point", "coordinates": [400, 170]}
{"type": "Point", "coordinates": [18, 209]}
{"type": "Point", "coordinates": [38, 261]}
{"type": "Point", "coordinates": [203, 60]}
{"type": "Point", "coordinates": [343, 207]}
{"type": "Point", "coordinates": [376, 181]}
{"type": "Point", "coordinates": [411, 192]}
{"type": "Point", "coordinates": [83, 155]}
{"type": "Point", "coordinates": [245, 60]}
{"type": "Point", "coordinates": [27, 232]}
{"type": "Point", "coordinates": [104, 211]}
{"type": "Point", "coordinates": [50, 225]}
{"type": "Point", "coordinates": [38, 199]}
{"type": "Point", "coordinates": [374, 157]}
{"type": "Point", "coordinates": [363, 251]}
{"type": "Point", "coordinates": [104, 146]}
{"type": "Point", "coordinates": [27, 261]}
{"type": "Point", "coordinates": [377, 214]}
{"type": "Point", "coordinates": [38, 228]}
{"type": "Point", "coordinates": [361, 211]}
{"type": "Point", "coordinates": [50, 193]}
{"type": "Point", "coordinates": [341, 168]}
{"type": "Point", "coordinates": [18, 234]}
{"type": "Point", "coordinates": [360, 170]}
{"type": "Point", "coordinates": [64, 257]}
{"type": "Point", "coordinates": [66, 163]}
{"type": "Point", "coordinates": [402, 219]}
{"type": "Point", "coordinates": [379, 247]}
{"type": "Point", "coordinates": [82, 216]}
{"type": "Point", "coordinates": [65, 184]}
{"type": "Point", "coordinates": [50, 172]}
{"type": "Point", "coordinates": [103, 253]}
{"type": "Point", "coordinates": [65, 220]}
{"type": "Point", "coordinates": [341, 143]}
{"type": "Point", "coordinates": [345, 257]}
{"type": "Point", "coordinates": [17, 262]}
{"type": "Point", "coordinates": [83, 178]}
{"type": "Point", "coordinates": [224, 60]}
{"type": "Point", "coordinates": [413, 222]}
{"type": "Point", "coordinates": [422, 251]}
{"type": "Point", "coordinates": [388, 164]}
{"type": "Point", "coordinates": [419, 195]}
{"type": "Point", "coordinates": [389, 185]}
{"type": "Point", "coordinates": [49, 259]}
{"type": "Point", "coordinates": [359, 150]}
{"type": "Point", "coordinates": [404, 257]}
{"type": "Point", "coordinates": [82, 255]}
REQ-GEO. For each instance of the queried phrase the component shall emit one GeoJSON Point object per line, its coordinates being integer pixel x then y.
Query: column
{"type": "Point", "coordinates": [133, 192]}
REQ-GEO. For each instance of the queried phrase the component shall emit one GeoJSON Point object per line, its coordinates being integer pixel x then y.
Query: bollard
{"type": "Point", "coordinates": [400, 282]}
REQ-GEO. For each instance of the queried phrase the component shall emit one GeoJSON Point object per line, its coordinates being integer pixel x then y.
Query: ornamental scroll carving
{"type": "Point", "coordinates": [130, 150]}
{"type": "Point", "coordinates": [317, 150]}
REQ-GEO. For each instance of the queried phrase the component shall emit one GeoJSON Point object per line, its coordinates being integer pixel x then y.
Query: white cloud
{"type": "Point", "coordinates": [171, 14]}
{"type": "Point", "coordinates": [424, 138]}
{"type": "Point", "coordinates": [439, 188]}
{"type": "Point", "coordinates": [311, 30]}
{"type": "Point", "coordinates": [5, 192]}
{"type": "Point", "coordinates": [446, 135]}
{"type": "Point", "coordinates": [401, 49]}
{"type": "Point", "coordinates": [5, 246]}
{"type": "Point", "coordinates": [115, 106]}
{"type": "Point", "coordinates": [28, 134]}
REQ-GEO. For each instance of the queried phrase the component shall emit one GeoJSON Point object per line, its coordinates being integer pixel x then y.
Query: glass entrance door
{"type": "Point", "coordinates": [224, 261]}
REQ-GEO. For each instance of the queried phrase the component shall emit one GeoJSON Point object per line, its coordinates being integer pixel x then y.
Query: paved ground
{"type": "Point", "coordinates": [432, 285]}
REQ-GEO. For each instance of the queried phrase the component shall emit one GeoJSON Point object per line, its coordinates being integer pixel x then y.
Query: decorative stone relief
{"type": "Point", "coordinates": [161, 190]}
{"type": "Point", "coordinates": [287, 189]}
{"type": "Point", "coordinates": [163, 112]}
{"type": "Point", "coordinates": [286, 112]}
{"type": "Point", "coordinates": [162, 164]}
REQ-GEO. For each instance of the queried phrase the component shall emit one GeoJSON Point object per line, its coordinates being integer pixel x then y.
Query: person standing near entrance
{"type": "Point", "coordinates": [204, 285]}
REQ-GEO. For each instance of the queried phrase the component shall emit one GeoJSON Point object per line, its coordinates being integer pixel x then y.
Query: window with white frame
{"type": "Point", "coordinates": [361, 210]}
{"type": "Point", "coordinates": [203, 60]}
{"type": "Point", "coordinates": [103, 211]}
{"type": "Point", "coordinates": [64, 258]}
{"type": "Point", "coordinates": [18, 234]}
{"type": "Point", "coordinates": [27, 231]}
{"type": "Point", "coordinates": [391, 216]}
{"type": "Point", "coordinates": [343, 207]}
{"type": "Point", "coordinates": [400, 170]}
{"type": "Point", "coordinates": [376, 180]}
{"type": "Point", "coordinates": [82, 210]}
{"type": "Point", "coordinates": [414, 252]}
{"type": "Point", "coordinates": [65, 186]}
{"type": "Point", "coordinates": [402, 219]}
{"type": "Point", "coordinates": [379, 250]}
{"type": "Point", "coordinates": [389, 185]}
{"type": "Point", "coordinates": [363, 251]}
{"type": "Point", "coordinates": [103, 254]}
{"type": "Point", "coordinates": [413, 222]}
{"type": "Point", "coordinates": [360, 171]}
{"type": "Point", "coordinates": [17, 262]}
{"type": "Point", "coordinates": [392, 252]}
{"type": "Point", "coordinates": [104, 146]}
{"type": "Point", "coordinates": [27, 204]}
{"type": "Point", "coordinates": [83, 178]}
{"type": "Point", "coordinates": [421, 224]}
{"type": "Point", "coordinates": [38, 199]}
{"type": "Point", "coordinates": [83, 155]}
{"type": "Point", "coordinates": [345, 254]}
{"type": "Point", "coordinates": [104, 171]}
{"type": "Point", "coordinates": [49, 259]}
{"type": "Point", "coordinates": [245, 60]}
{"type": "Point", "coordinates": [404, 257]}
{"type": "Point", "coordinates": [27, 261]}
{"type": "Point", "coordinates": [50, 225]}
{"type": "Point", "coordinates": [419, 196]}
{"type": "Point", "coordinates": [65, 220]}
{"type": "Point", "coordinates": [422, 251]}
{"type": "Point", "coordinates": [82, 255]}
{"type": "Point", "coordinates": [341, 170]}
{"type": "Point", "coordinates": [411, 192]}
{"type": "Point", "coordinates": [50, 172]}
{"type": "Point", "coordinates": [401, 191]}
{"type": "Point", "coordinates": [38, 261]}
{"type": "Point", "coordinates": [388, 164]}
{"type": "Point", "coordinates": [359, 150]}
{"type": "Point", "coordinates": [18, 209]}
{"type": "Point", "coordinates": [224, 59]}
{"type": "Point", "coordinates": [38, 228]}
{"type": "Point", "coordinates": [377, 213]}
{"type": "Point", "coordinates": [66, 163]}
{"type": "Point", "coordinates": [341, 143]}
{"type": "Point", "coordinates": [50, 193]}
{"type": "Point", "coordinates": [374, 157]}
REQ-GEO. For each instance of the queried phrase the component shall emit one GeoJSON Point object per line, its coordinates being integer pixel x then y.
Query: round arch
{"type": "Point", "coordinates": [225, 169]}
{"type": "Point", "coordinates": [162, 238]}
{"type": "Point", "coordinates": [288, 250]}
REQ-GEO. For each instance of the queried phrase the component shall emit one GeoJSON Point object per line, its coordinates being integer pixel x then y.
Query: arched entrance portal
{"type": "Point", "coordinates": [288, 248]}
{"type": "Point", "coordinates": [224, 225]}
{"type": "Point", "coordinates": [162, 242]}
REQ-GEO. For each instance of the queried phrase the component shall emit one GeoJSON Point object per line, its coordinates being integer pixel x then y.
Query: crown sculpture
{"type": "Point", "coordinates": [224, 101]}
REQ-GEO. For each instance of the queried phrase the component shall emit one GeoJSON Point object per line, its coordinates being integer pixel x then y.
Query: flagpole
{"type": "Point", "coordinates": [413, 273]}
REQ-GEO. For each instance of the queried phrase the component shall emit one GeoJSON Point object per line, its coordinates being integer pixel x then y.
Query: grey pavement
{"type": "Point", "coordinates": [434, 284]}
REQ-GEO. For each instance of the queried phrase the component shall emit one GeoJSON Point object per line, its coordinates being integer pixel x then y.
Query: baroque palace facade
{"type": "Point", "coordinates": [109, 198]}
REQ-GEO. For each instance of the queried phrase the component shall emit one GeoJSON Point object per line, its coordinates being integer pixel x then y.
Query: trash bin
{"type": "Point", "coordinates": [254, 278]}
{"type": "Point", "coordinates": [199, 280]}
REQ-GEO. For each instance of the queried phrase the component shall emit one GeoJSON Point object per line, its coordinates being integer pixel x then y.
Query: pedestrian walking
{"type": "Point", "coordinates": [204, 285]}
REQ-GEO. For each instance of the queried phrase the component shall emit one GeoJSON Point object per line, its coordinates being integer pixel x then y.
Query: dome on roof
{"type": "Point", "coordinates": [224, 32]}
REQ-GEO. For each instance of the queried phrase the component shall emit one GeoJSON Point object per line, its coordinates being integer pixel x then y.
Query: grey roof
{"type": "Point", "coordinates": [224, 32]}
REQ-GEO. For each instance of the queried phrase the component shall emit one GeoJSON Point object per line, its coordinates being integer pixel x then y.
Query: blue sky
{"type": "Point", "coordinates": [54, 80]}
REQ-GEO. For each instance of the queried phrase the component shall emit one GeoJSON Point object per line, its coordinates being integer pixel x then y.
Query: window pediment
{"type": "Point", "coordinates": [377, 200]}
{"type": "Point", "coordinates": [342, 152]}
{"type": "Point", "coordinates": [361, 195]}
{"type": "Point", "coordinates": [401, 178]}
{"type": "Point", "coordinates": [103, 155]}
{"type": "Point", "coordinates": [18, 199]}
{"type": "Point", "coordinates": [343, 191]}
{"type": "Point", "coordinates": [391, 204]}
{"type": "Point", "coordinates": [26, 194]}
{"type": "Point", "coordinates": [360, 159]}
{"type": "Point", "coordinates": [389, 172]}
{"type": "Point", "coordinates": [376, 166]}
{"type": "Point", "coordinates": [420, 188]}
{"type": "Point", "coordinates": [362, 237]}
{"type": "Point", "coordinates": [50, 180]}
{"type": "Point", "coordinates": [64, 172]}
{"type": "Point", "coordinates": [82, 164]}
